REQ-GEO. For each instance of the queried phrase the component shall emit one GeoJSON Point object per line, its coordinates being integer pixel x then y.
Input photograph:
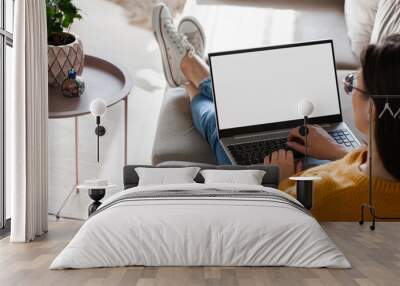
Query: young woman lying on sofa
{"type": "Point", "coordinates": [344, 183]}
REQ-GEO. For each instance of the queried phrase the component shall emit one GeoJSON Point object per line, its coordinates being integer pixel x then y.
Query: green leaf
{"type": "Point", "coordinates": [60, 15]}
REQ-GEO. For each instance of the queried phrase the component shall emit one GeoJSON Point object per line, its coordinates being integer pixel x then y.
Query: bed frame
{"type": "Point", "coordinates": [271, 178]}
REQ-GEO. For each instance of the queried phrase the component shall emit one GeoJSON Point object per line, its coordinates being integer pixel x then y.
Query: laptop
{"type": "Point", "coordinates": [257, 91]}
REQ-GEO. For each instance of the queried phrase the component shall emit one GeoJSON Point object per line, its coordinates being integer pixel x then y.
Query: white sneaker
{"type": "Point", "coordinates": [173, 45]}
{"type": "Point", "coordinates": [194, 32]}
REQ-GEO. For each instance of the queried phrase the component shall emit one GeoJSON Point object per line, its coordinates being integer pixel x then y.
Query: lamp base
{"type": "Point", "coordinates": [305, 193]}
{"type": "Point", "coordinates": [100, 130]}
{"type": "Point", "coordinates": [96, 195]}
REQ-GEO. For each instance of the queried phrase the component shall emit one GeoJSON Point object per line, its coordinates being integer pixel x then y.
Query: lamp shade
{"type": "Point", "coordinates": [98, 107]}
{"type": "Point", "coordinates": [305, 107]}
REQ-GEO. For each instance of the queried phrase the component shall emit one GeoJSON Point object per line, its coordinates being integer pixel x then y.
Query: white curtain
{"type": "Point", "coordinates": [27, 121]}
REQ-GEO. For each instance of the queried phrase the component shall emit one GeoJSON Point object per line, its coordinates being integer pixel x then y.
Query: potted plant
{"type": "Point", "coordinates": [65, 49]}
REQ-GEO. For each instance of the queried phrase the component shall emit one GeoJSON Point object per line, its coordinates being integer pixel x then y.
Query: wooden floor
{"type": "Point", "coordinates": [375, 257]}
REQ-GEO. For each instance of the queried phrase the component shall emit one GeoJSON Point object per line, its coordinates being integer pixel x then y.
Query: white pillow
{"type": "Point", "coordinates": [166, 176]}
{"type": "Point", "coordinates": [387, 20]}
{"type": "Point", "coordinates": [247, 177]}
{"type": "Point", "coordinates": [360, 18]}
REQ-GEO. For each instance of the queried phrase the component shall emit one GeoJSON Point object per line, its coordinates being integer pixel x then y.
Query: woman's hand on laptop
{"type": "Point", "coordinates": [285, 161]}
{"type": "Point", "coordinates": [320, 144]}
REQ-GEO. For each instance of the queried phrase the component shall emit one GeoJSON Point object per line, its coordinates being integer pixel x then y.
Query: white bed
{"type": "Point", "coordinates": [202, 231]}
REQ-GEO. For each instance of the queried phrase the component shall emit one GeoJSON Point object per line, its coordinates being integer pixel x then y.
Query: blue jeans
{"type": "Point", "coordinates": [203, 113]}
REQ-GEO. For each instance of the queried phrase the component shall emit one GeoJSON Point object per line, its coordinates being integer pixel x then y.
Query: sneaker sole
{"type": "Point", "coordinates": [156, 20]}
{"type": "Point", "coordinates": [195, 22]}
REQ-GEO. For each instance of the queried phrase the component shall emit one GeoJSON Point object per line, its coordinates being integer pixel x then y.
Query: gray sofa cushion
{"type": "Point", "coordinates": [387, 20]}
{"type": "Point", "coordinates": [316, 20]}
{"type": "Point", "coordinates": [176, 138]}
{"type": "Point", "coordinates": [279, 22]}
{"type": "Point", "coordinates": [270, 179]}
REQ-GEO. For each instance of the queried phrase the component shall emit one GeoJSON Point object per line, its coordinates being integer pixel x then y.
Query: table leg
{"type": "Point", "coordinates": [74, 188]}
{"type": "Point", "coordinates": [65, 201]}
{"type": "Point", "coordinates": [76, 153]}
{"type": "Point", "coordinates": [126, 131]}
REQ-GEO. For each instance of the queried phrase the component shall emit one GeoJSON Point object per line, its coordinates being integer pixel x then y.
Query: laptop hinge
{"type": "Point", "coordinates": [269, 133]}
{"type": "Point", "coordinates": [260, 134]}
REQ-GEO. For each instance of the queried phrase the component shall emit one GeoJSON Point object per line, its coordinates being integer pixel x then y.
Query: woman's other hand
{"type": "Point", "coordinates": [320, 144]}
{"type": "Point", "coordinates": [285, 161]}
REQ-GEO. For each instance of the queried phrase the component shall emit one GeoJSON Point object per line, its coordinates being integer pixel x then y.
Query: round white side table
{"type": "Point", "coordinates": [103, 80]}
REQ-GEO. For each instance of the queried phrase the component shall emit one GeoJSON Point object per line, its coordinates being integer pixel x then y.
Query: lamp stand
{"type": "Point", "coordinates": [100, 131]}
{"type": "Point", "coordinates": [306, 135]}
{"type": "Point", "coordinates": [369, 204]}
{"type": "Point", "coordinates": [304, 132]}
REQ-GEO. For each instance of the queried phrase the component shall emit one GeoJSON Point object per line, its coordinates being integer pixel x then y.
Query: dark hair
{"type": "Point", "coordinates": [381, 75]}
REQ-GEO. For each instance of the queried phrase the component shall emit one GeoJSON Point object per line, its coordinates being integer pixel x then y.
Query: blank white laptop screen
{"type": "Point", "coordinates": [265, 86]}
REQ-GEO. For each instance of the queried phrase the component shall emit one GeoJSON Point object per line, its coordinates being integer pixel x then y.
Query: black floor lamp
{"type": "Point", "coordinates": [370, 205]}
{"type": "Point", "coordinates": [305, 108]}
{"type": "Point", "coordinates": [98, 108]}
{"type": "Point", "coordinates": [304, 185]}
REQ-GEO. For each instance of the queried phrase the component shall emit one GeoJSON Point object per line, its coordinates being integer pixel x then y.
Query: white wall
{"type": "Point", "coordinates": [105, 32]}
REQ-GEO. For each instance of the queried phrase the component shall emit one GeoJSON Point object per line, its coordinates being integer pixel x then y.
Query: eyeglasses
{"type": "Point", "coordinates": [350, 84]}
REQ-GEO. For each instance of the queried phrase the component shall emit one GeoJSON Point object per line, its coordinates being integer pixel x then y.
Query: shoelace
{"type": "Point", "coordinates": [179, 40]}
{"type": "Point", "coordinates": [194, 40]}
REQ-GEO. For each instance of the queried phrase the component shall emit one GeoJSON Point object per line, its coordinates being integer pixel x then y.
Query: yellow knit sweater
{"type": "Point", "coordinates": [344, 187]}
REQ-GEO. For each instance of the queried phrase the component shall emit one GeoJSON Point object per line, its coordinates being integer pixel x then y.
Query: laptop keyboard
{"type": "Point", "coordinates": [342, 136]}
{"type": "Point", "coordinates": [255, 152]}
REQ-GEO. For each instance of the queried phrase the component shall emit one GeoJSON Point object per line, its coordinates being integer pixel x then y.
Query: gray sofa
{"type": "Point", "coordinates": [177, 139]}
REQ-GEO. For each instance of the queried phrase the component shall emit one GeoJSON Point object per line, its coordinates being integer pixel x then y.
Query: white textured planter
{"type": "Point", "coordinates": [63, 58]}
